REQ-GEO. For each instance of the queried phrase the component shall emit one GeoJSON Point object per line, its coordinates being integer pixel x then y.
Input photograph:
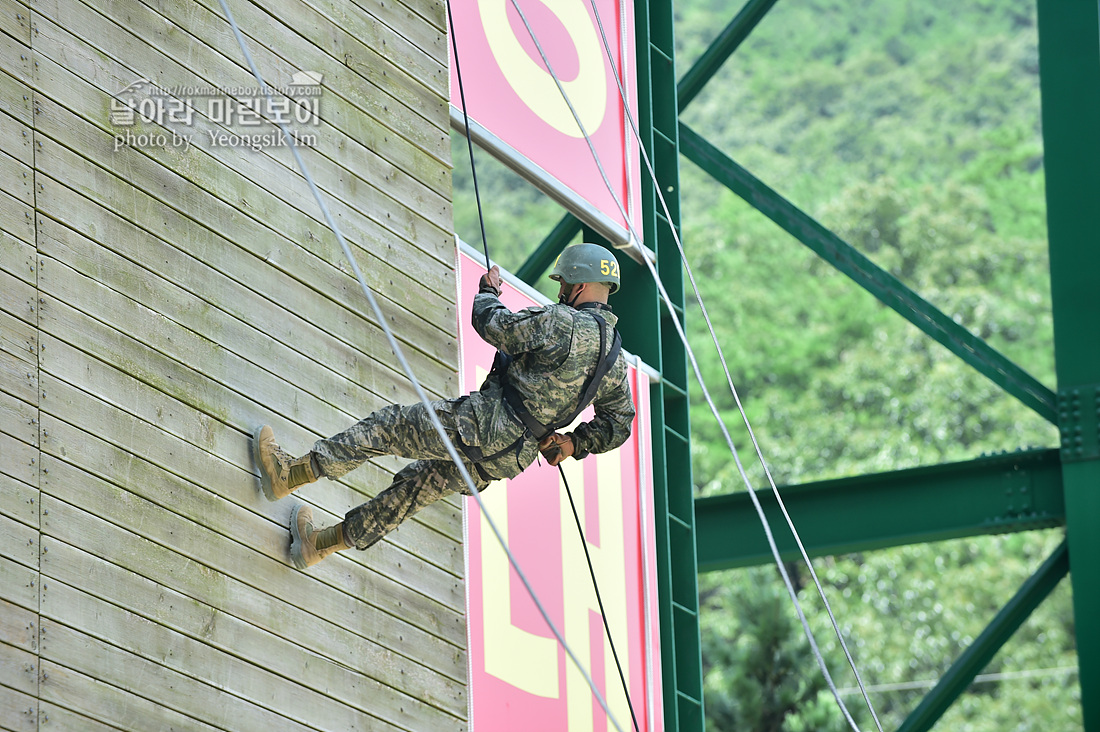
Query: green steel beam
{"type": "Point", "coordinates": [985, 646]}
{"type": "Point", "coordinates": [649, 333]}
{"type": "Point", "coordinates": [721, 49]}
{"type": "Point", "coordinates": [540, 260]}
{"type": "Point", "coordinates": [887, 288]}
{"type": "Point", "coordinates": [994, 494]}
{"type": "Point", "coordinates": [1069, 81]}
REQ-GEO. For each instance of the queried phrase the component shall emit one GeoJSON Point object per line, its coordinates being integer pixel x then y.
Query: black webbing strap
{"type": "Point", "coordinates": [540, 430]}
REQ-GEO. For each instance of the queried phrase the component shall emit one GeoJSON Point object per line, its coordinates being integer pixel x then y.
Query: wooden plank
{"type": "Point", "coordinates": [126, 650]}
{"type": "Point", "coordinates": [432, 11]}
{"type": "Point", "coordinates": [360, 178]}
{"type": "Point", "coordinates": [20, 459]}
{"type": "Point", "coordinates": [408, 140]}
{"type": "Point", "coordinates": [15, 140]}
{"type": "Point", "coordinates": [86, 695]}
{"type": "Point", "coordinates": [18, 628]}
{"type": "Point", "coordinates": [395, 269]}
{"type": "Point", "coordinates": [309, 38]}
{"type": "Point", "coordinates": [340, 40]}
{"type": "Point", "coordinates": [18, 668]}
{"type": "Point", "coordinates": [19, 339]}
{"type": "Point", "coordinates": [18, 584]}
{"type": "Point", "coordinates": [16, 255]}
{"type": "Point", "coordinates": [434, 343]}
{"type": "Point", "coordinates": [19, 501]}
{"type": "Point", "coordinates": [211, 401]}
{"type": "Point", "coordinates": [200, 561]}
{"type": "Point", "coordinates": [18, 377]}
{"type": "Point", "coordinates": [93, 376]}
{"type": "Point", "coordinates": [368, 214]}
{"type": "Point", "coordinates": [433, 601]}
{"type": "Point", "coordinates": [429, 38]}
{"type": "Point", "coordinates": [18, 418]}
{"type": "Point", "coordinates": [425, 57]}
{"type": "Point", "coordinates": [243, 325]}
{"type": "Point", "coordinates": [290, 277]}
{"type": "Point", "coordinates": [61, 718]}
{"type": "Point", "coordinates": [18, 711]}
{"type": "Point", "coordinates": [15, 21]}
{"type": "Point", "coordinates": [218, 270]}
{"type": "Point", "coordinates": [17, 177]}
{"type": "Point", "coordinates": [436, 598]}
{"type": "Point", "coordinates": [15, 216]}
{"type": "Point", "coordinates": [185, 179]}
{"type": "Point", "coordinates": [15, 61]}
{"type": "Point", "coordinates": [229, 484]}
{"type": "Point", "coordinates": [15, 95]}
{"type": "Point", "coordinates": [17, 297]}
{"type": "Point", "coordinates": [164, 300]}
{"type": "Point", "coordinates": [199, 391]}
{"type": "Point", "coordinates": [303, 648]}
{"type": "Point", "coordinates": [329, 698]}
{"type": "Point", "coordinates": [187, 347]}
{"type": "Point", "coordinates": [231, 374]}
{"type": "Point", "coordinates": [19, 542]}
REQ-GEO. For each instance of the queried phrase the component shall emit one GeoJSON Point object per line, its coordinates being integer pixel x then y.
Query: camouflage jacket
{"type": "Point", "coordinates": [554, 350]}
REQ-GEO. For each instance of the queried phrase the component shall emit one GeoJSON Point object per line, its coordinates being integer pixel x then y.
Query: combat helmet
{"type": "Point", "coordinates": [587, 263]}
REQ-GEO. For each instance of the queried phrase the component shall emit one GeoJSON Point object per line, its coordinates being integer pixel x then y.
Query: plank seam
{"type": "Point", "coordinates": [36, 634]}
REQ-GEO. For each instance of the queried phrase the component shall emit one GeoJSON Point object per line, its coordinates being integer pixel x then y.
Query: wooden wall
{"type": "Point", "coordinates": [156, 305]}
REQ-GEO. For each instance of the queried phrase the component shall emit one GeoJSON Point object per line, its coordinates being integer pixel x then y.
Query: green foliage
{"type": "Point", "coordinates": [912, 131]}
{"type": "Point", "coordinates": [753, 676]}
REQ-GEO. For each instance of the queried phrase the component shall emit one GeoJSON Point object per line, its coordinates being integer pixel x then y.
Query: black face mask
{"type": "Point", "coordinates": [564, 300]}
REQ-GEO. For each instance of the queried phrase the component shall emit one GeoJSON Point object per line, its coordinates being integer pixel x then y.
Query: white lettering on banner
{"type": "Point", "coordinates": [534, 85]}
{"type": "Point", "coordinates": [582, 609]}
{"type": "Point", "coordinates": [525, 660]}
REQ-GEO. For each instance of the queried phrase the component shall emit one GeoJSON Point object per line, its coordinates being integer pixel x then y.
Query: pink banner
{"type": "Point", "coordinates": [520, 677]}
{"type": "Point", "coordinates": [510, 91]}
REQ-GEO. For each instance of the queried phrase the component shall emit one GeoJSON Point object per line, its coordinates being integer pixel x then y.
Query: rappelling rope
{"type": "Point", "coordinates": [698, 374]}
{"type": "Point", "coordinates": [395, 346]}
{"type": "Point", "coordinates": [599, 598]}
{"type": "Point", "coordinates": [565, 482]}
{"type": "Point", "coordinates": [729, 378]}
{"type": "Point", "coordinates": [469, 138]}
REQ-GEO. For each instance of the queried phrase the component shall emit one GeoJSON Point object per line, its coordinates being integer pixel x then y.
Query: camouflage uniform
{"type": "Point", "coordinates": [554, 349]}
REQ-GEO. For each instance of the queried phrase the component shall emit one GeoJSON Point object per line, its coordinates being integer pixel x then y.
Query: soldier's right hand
{"type": "Point", "coordinates": [556, 447]}
{"type": "Point", "coordinates": [490, 281]}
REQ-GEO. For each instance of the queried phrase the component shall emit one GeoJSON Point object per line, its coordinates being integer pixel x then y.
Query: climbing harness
{"type": "Point", "coordinates": [537, 429]}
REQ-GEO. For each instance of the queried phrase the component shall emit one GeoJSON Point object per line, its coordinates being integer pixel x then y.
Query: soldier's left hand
{"type": "Point", "coordinates": [556, 447]}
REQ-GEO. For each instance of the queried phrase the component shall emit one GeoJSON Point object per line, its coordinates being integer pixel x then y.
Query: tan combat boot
{"type": "Point", "coordinates": [280, 474]}
{"type": "Point", "coordinates": [308, 546]}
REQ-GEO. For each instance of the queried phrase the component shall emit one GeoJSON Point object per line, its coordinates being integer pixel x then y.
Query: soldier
{"type": "Point", "coordinates": [552, 361]}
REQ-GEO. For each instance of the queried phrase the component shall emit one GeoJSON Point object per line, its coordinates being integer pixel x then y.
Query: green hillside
{"type": "Point", "coordinates": [912, 130]}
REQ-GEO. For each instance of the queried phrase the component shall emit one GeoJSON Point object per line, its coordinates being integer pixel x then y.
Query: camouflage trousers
{"type": "Point", "coordinates": [404, 431]}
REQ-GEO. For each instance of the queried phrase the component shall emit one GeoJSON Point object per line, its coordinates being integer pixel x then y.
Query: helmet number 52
{"type": "Point", "coordinates": [609, 268]}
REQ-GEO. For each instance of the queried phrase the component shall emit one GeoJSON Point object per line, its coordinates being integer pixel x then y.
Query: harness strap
{"type": "Point", "coordinates": [539, 430]}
